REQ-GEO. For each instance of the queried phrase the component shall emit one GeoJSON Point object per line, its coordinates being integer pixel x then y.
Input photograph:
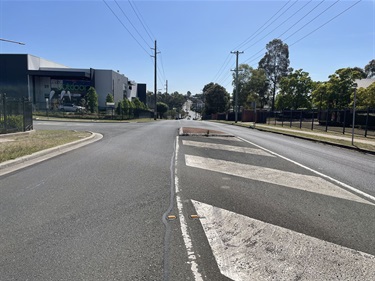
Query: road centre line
{"type": "Point", "coordinates": [183, 224]}
{"type": "Point", "coordinates": [280, 178]}
{"type": "Point", "coordinates": [346, 186]}
{"type": "Point", "coordinates": [246, 248]}
{"type": "Point", "coordinates": [248, 150]}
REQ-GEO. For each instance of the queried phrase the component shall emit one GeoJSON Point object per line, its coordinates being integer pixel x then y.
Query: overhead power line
{"type": "Point", "coordinates": [325, 23]}
{"type": "Point", "coordinates": [306, 24]}
{"type": "Point", "coordinates": [256, 32]}
{"type": "Point", "coordinates": [125, 27]}
{"type": "Point", "coordinates": [141, 20]}
{"type": "Point", "coordinates": [136, 30]}
{"type": "Point", "coordinates": [279, 25]}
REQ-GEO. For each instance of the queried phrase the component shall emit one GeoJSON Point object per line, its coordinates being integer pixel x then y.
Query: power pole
{"type": "Point", "coordinates": [166, 87]}
{"type": "Point", "coordinates": [155, 78]}
{"type": "Point", "coordinates": [236, 97]}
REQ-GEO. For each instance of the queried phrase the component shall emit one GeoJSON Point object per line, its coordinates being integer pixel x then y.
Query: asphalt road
{"type": "Point", "coordinates": [241, 212]}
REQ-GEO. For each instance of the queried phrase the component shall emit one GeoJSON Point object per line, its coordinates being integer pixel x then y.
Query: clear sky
{"type": "Point", "coordinates": [195, 38]}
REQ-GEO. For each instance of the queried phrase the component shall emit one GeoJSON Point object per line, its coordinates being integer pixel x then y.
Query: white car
{"type": "Point", "coordinates": [71, 107]}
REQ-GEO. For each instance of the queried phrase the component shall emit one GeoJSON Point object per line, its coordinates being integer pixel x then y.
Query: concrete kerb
{"type": "Point", "coordinates": [315, 140]}
{"type": "Point", "coordinates": [47, 153]}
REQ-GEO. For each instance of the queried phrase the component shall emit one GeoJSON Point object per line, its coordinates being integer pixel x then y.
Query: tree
{"type": "Point", "coordinates": [244, 76]}
{"type": "Point", "coordinates": [370, 69]}
{"type": "Point", "coordinates": [337, 91]}
{"type": "Point", "coordinates": [188, 94]}
{"type": "Point", "coordinates": [365, 97]}
{"type": "Point", "coordinates": [341, 87]}
{"type": "Point", "coordinates": [295, 90]}
{"type": "Point", "coordinates": [109, 98]}
{"type": "Point", "coordinates": [252, 86]}
{"type": "Point", "coordinates": [275, 64]}
{"type": "Point", "coordinates": [92, 100]}
{"type": "Point", "coordinates": [161, 108]}
{"type": "Point", "coordinates": [216, 98]}
{"type": "Point", "coordinates": [259, 87]}
{"type": "Point", "coordinates": [138, 104]}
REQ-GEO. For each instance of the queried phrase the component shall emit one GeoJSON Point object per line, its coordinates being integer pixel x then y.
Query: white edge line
{"type": "Point", "coordinates": [359, 192]}
{"type": "Point", "coordinates": [184, 227]}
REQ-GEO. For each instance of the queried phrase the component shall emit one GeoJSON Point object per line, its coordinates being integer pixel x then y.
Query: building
{"type": "Point", "coordinates": [48, 83]}
{"type": "Point", "coordinates": [364, 83]}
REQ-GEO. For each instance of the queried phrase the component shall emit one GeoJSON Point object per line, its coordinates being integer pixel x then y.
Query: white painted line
{"type": "Point", "coordinates": [248, 150]}
{"type": "Point", "coordinates": [184, 227]}
{"type": "Point", "coordinates": [353, 189]}
{"type": "Point", "coordinates": [249, 249]}
{"type": "Point", "coordinates": [277, 177]}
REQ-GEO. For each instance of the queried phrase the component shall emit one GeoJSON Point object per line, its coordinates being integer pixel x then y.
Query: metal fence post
{"type": "Point", "coordinates": [5, 113]}
{"type": "Point", "coordinates": [312, 121]}
{"type": "Point", "coordinates": [368, 113]}
{"type": "Point", "coordinates": [327, 120]}
{"type": "Point", "coordinates": [300, 120]}
{"type": "Point", "coordinates": [291, 118]}
{"type": "Point", "coordinates": [24, 113]}
{"type": "Point", "coordinates": [343, 127]}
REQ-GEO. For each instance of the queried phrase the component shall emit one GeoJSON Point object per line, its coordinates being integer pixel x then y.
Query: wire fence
{"type": "Point", "coordinates": [16, 115]}
{"type": "Point", "coordinates": [334, 120]}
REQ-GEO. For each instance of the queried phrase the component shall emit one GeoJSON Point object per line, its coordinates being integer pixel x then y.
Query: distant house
{"type": "Point", "coordinates": [364, 83]}
{"type": "Point", "coordinates": [42, 81]}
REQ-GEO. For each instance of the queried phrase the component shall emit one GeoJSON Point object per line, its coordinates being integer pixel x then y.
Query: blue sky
{"type": "Point", "coordinates": [195, 38]}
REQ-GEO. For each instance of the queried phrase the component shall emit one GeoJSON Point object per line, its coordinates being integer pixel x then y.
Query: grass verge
{"type": "Point", "coordinates": [326, 137]}
{"type": "Point", "coordinates": [21, 145]}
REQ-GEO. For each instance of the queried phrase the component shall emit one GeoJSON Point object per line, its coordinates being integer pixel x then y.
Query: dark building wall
{"type": "Point", "coordinates": [13, 75]}
{"type": "Point", "coordinates": [141, 93]}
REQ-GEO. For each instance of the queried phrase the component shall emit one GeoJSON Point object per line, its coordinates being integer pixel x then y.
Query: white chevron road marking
{"type": "Point", "coordinates": [255, 151]}
{"type": "Point", "coordinates": [277, 177]}
{"type": "Point", "coordinates": [249, 249]}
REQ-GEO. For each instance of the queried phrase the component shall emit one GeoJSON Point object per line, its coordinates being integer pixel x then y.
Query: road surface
{"type": "Point", "coordinates": [146, 204]}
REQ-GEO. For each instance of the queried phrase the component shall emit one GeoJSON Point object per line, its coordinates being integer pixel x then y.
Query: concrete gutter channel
{"type": "Point", "coordinates": [24, 161]}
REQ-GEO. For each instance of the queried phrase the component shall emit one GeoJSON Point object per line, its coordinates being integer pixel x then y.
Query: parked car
{"type": "Point", "coordinates": [71, 107]}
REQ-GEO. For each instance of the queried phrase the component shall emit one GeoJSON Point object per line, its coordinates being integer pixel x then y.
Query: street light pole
{"type": "Point", "coordinates": [354, 102]}
{"type": "Point", "coordinates": [236, 98]}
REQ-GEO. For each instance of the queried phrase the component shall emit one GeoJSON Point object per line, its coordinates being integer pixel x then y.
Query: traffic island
{"type": "Point", "coordinates": [192, 131]}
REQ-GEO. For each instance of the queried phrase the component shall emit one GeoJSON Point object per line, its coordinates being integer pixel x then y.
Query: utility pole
{"type": "Point", "coordinates": [166, 87]}
{"type": "Point", "coordinates": [155, 77]}
{"type": "Point", "coordinates": [236, 97]}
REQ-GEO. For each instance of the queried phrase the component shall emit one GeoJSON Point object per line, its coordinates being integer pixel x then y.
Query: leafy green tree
{"type": "Point", "coordinates": [365, 97]}
{"type": "Point", "coordinates": [92, 100]}
{"type": "Point", "coordinates": [275, 64]}
{"type": "Point", "coordinates": [138, 104]}
{"type": "Point", "coordinates": [341, 87]}
{"type": "Point", "coordinates": [216, 98]}
{"type": "Point", "coordinates": [162, 108]}
{"type": "Point", "coordinates": [109, 98]}
{"type": "Point", "coordinates": [338, 90]}
{"type": "Point", "coordinates": [370, 69]}
{"type": "Point", "coordinates": [295, 90]}
{"type": "Point", "coordinates": [244, 76]}
{"type": "Point", "coordinates": [319, 95]}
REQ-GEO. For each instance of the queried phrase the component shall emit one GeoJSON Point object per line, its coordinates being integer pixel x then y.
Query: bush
{"type": "Point", "coordinates": [14, 123]}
